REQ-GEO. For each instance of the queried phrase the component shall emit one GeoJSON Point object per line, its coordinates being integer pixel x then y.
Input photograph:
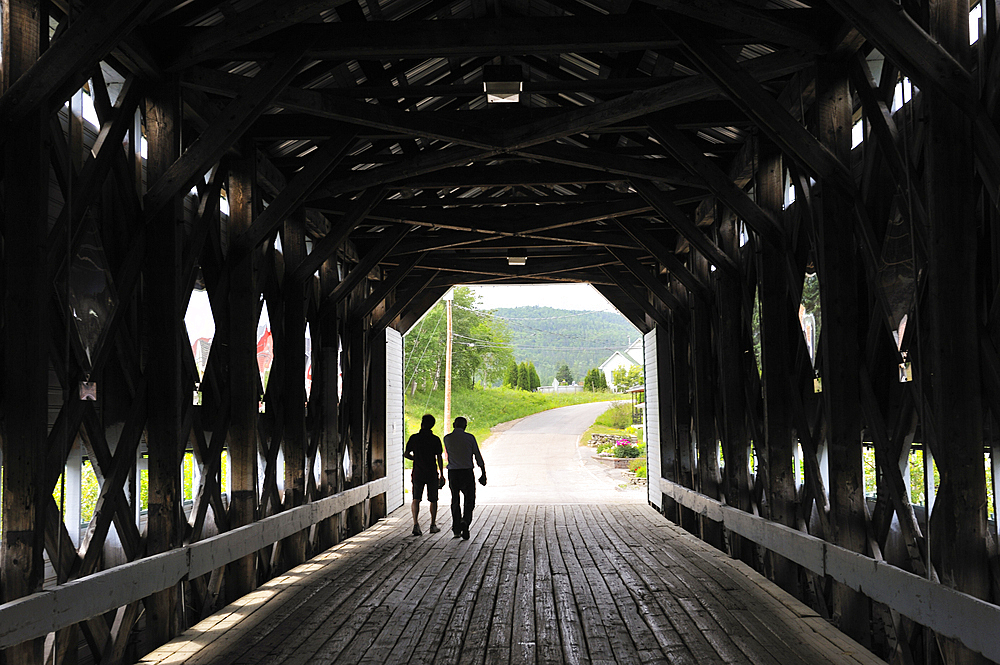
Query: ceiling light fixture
{"type": "Point", "coordinates": [516, 260]}
{"type": "Point", "coordinates": [502, 83]}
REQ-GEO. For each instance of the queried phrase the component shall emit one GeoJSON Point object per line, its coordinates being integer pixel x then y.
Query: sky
{"type": "Point", "coordinates": [557, 296]}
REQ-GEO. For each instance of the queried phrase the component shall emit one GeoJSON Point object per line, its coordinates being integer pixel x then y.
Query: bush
{"type": "Point", "coordinates": [619, 416]}
{"type": "Point", "coordinates": [625, 448]}
{"type": "Point", "coordinates": [638, 467]}
{"type": "Point", "coordinates": [605, 448]}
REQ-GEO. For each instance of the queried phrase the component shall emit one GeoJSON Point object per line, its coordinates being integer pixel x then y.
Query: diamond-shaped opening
{"type": "Point", "coordinates": [265, 347]}
{"type": "Point", "coordinates": [200, 326]}
{"type": "Point", "coordinates": [309, 358]}
{"type": "Point", "coordinates": [897, 274]}
{"type": "Point", "coordinates": [92, 296]}
{"type": "Point", "coordinates": [810, 315]}
{"type": "Point", "coordinates": [347, 464]}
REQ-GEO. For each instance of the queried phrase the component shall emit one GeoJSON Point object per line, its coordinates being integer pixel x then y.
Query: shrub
{"type": "Point", "coordinates": [638, 467]}
{"type": "Point", "coordinates": [625, 448]}
{"type": "Point", "coordinates": [618, 416]}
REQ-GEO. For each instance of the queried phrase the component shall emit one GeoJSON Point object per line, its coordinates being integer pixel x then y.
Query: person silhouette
{"type": "Point", "coordinates": [423, 447]}
{"type": "Point", "coordinates": [462, 447]}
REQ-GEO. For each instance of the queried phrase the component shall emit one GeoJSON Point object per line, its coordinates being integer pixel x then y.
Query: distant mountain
{"type": "Point", "coordinates": [550, 337]}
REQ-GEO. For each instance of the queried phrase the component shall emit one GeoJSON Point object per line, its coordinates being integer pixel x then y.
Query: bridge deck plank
{"type": "Point", "coordinates": [535, 584]}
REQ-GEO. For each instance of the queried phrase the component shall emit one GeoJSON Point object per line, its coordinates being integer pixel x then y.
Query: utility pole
{"type": "Point", "coordinates": [446, 427]}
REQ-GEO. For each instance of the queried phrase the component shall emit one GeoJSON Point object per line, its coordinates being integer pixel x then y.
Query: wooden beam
{"type": "Point", "coordinates": [418, 304]}
{"type": "Point", "coordinates": [738, 17]}
{"type": "Point", "coordinates": [839, 268]}
{"type": "Point", "coordinates": [163, 301]}
{"type": "Point", "coordinates": [778, 323]}
{"type": "Point", "coordinates": [680, 221]}
{"type": "Point", "coordinates": [644, 102]}
{"type": "Point", "coordinates": [24, 344]}
{"type": "Point", "coordinates": [293, 392]}
{"type": "Point", "coordinates": [590, 158]}
{"type": "Point", "coordinates": [327, 247]}
{"type": "Point", "coordinates": [658, 289]}
{"type": "Point", "coordinates": [958, 529]}
{"type": "Point", "coordinates": [255, 97]}
{"type": "Point", "coordinates": [366, 265]}
{"type": "Point", "coordinates": [635, 315]}
{"type": "Point", "coordinates": [251, 24]}
{"type": "Point", "coordinates": [426, 161]}
{"type": "Point", "coordinates": [333, 107]}
{"type": "Point", "coordinates": [397, 275]}
{"type": "Point", "coordinates": [636, 296]}
{"type": "Point", "coordinates": [733, 352]}
{"type": "Point", "coordinates": [707, 474]}
{"type": "Point", "coordinates": [93, 34]}
{"type": "Point", "coordinates": [743, 88]}
{"type": "Point", "coordinates": [463, 38]}
{"type": "Point", "coordinates": [665, 256]}
{"type": "Point", "coordinates": [687, 153]}
{"type": "Point", "coordinates": [321, 162]}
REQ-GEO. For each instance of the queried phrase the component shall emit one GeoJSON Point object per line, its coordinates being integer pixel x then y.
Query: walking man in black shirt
{"type": "Point", "coordinates": [422, 448]}
{"type": "Point", "coordinates": [462, 447]}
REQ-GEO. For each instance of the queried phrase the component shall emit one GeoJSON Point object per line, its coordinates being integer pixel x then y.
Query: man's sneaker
{"type": "Point", "coordinates": [458, 534]}
{"type": "Point", "coordinates": [465, 531]}
{"type": "Point", "coordinates": [416, 530]}
{"type": "Point", "coordinates": [434, 528]}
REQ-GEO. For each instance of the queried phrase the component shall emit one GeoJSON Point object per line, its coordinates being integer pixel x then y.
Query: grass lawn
{"type": "Point", "coordinates": [485, 408]}
{"type": "Point", "coordinates": [613, 421]}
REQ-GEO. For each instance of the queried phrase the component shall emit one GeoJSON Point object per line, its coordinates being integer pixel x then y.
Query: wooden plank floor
{"type": "Point", "coordinates": [535, 584]}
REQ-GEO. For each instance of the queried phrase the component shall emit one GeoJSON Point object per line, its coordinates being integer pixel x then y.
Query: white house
{"type": "Point", "coordinates": [632, 356]}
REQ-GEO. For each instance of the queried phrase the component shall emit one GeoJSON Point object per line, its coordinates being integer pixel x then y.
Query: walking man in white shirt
{"type": "Point", "coordinates": [462, 447]}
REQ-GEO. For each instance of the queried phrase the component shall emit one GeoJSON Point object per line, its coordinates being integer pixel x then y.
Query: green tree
{"type": "Point", "coordinates": [480, 345]}
{"type": "Point", "coordinates": [533, 380]}
{"type": "Point", "coordinates": [511, 377]}
{"type": "Point", "coordinates": [626, 377]}
{"type": "Point", "coordinates": [523, 382]}
{"type": "Point", "coordinates": [595, 381]}
{"type": "Point", "coordinates": [563, 375]}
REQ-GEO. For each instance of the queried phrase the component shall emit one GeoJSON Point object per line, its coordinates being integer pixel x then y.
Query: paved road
{"type": "Point", "coordinates": [538, 461]}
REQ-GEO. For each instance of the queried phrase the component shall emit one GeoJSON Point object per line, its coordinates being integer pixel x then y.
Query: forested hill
{"type": "Point", "coordinates": [550, 337]}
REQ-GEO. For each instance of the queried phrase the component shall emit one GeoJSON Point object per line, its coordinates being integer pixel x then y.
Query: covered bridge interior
{"type": "Point", "coordinates": [342, 163]}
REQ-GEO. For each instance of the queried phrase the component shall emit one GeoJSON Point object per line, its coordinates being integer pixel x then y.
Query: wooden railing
{"type": "Point", "coordinates": [944, 610]}
{"type": "Point", "coordinates": [67, 604]}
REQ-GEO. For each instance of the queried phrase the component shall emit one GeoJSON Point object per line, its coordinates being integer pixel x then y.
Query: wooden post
{"type": "Point", "coordinates": [328, 370]}
{"type": "Point", "coordinates": [777, 324]}
{"type": "Point", "coordinates": [294, 390]}
{"type": "Point", "coordinates": [838, 278]}
{"type": "Point", "coordinates": [26, 297]}
{"type": "Point", "coordinates": [958, 519]}
{"type": "Point", "coordinates": [683, 415]}
{"type": "Point", "coordinates": [732, 347]}
{"type": "Point", "coordinates": [244, 374]}
{"type": "Point", "coordinates": [163, 306]}
{"type": "Point", "coordinates": [354, 413]}
{"type": "Point", "coordinates": [704, 407]}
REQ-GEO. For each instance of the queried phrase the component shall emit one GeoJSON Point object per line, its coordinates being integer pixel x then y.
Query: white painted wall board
{"type": "Point", "coordinates": [394, 418]}
{"type": "Point", "coordinates": [652, 420]}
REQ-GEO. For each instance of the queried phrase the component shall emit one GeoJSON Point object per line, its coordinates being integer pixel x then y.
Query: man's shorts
{"type": "Point", "coordinates": [425, 479]}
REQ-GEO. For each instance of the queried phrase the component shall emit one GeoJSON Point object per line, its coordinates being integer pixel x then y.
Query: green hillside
{"type": "Point", "coordinates": [550, 337]}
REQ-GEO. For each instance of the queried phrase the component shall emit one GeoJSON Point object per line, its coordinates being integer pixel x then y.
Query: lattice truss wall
{"type": "Point", "coordinates": [705, 155]}
{"type": "Point", "coordinates": [137, 229]}
{"type": "Point", "coordinates": [884, 195]}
